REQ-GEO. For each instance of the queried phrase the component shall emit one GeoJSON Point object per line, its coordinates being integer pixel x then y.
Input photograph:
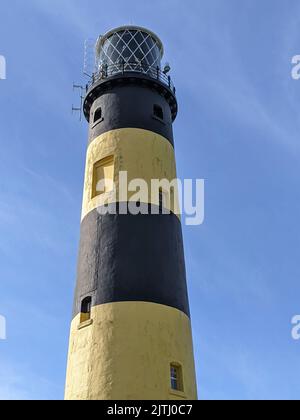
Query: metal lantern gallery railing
{"type": "Point", "coordinates": [107, 71]}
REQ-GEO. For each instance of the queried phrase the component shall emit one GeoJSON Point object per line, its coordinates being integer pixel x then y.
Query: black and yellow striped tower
{"type": "Point", "coordinates": [131, 333]}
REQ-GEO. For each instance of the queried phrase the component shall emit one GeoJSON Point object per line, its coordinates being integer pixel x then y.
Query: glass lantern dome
{"type": "Point", "coordinates": [129, 48]}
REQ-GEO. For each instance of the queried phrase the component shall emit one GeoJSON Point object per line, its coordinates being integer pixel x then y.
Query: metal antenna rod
{"type": "Point", "coordinates": [77, 109]}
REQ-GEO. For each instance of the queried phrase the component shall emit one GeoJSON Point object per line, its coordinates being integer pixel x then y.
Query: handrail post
{"type": "Point", "coordinates": [120, 66]}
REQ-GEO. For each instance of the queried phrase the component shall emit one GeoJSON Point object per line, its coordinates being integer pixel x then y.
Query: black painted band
{"type": "Point", "coordinates": [131, 258]}
{"type": "Point", "coordinates": [130, 106]}
{"type": "Point", "coordinates": [129, 78]}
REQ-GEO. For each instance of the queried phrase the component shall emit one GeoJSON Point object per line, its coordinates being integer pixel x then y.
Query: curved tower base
{"type": "Point", "coordinates": [126, 354]}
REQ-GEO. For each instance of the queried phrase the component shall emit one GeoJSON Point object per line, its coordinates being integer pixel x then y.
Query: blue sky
{"type": "Point", "coordinates": [238, 128]}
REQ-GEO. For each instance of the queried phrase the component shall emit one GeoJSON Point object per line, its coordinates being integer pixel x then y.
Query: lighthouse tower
{"type": "Point", "coordinates": [131, 333]}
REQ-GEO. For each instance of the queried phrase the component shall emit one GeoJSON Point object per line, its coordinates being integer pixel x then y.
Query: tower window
{"type": "Point", "coordinates": [98, 115]}
{"type": "Point", "coordinates": [158, 112]}
{"type": "Point", "coordinates": [176, 377]}
{"type": "Point", "coordinates": [103, 176]}
{"type": "Point", "coordinates": [86, 307]}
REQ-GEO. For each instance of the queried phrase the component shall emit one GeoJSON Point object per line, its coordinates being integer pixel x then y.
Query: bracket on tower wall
{"type": "Point", "coordinates": [79, 109]}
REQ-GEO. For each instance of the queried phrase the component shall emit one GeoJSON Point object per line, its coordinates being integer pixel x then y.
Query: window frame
{"type": "Point", "coordinates": [100, 119]}
{"type": "Point", "coordinates": [86, 309]}
{"type": "Point", "coordinates": [177, 379]}
{"type": "Point", "coordinates": [101, 163]}
{"type": "Point", "coordinates": [158, 113]}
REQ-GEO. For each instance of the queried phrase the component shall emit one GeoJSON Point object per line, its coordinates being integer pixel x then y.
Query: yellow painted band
{"type": "Point", "coordinates": [125, 353]}
{"type": "Point", "coordinates": [143, 154]}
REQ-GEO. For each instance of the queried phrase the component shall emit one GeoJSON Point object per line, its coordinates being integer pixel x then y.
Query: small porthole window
{"type": "Point", "coordinates": [158, 112]}
{"type": "Point", "coordinates": [86, 308]}
{"type": "Point", "coordinates": [98, 115]}
{"type": "Point", "coordinates": [176, 377]}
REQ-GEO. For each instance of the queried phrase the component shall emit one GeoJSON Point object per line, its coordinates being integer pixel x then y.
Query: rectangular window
{"type": "Point", "coordinates": [158, 112]}
{"type": "Point", "coordinates": [176, 378]}
{"type": "Point", "coordinates": [86, 308]}
{"type": "Point", "coordinates": [98, 115]}
{"type": "Point", "coordinates": [103, 176]}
